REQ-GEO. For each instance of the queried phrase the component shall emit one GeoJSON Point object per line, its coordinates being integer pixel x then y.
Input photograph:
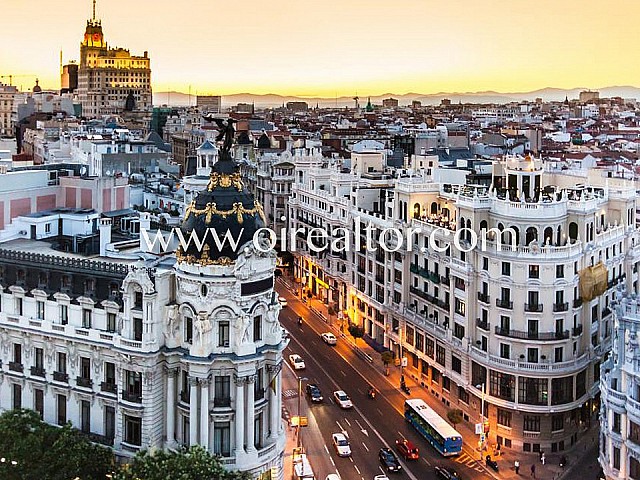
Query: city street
{"type": "Point", "coordinates": [372, 423]}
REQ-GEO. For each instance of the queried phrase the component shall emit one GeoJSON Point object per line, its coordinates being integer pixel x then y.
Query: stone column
{"type": "Point", "coordinates": [171, 406]}
{"type": "Point", "coordinates": [204, 413]}
{"type": "Point", "coordinates": [274, 401]}
{"type": "Point", "coordinates": [251, 414]}
{"type": "Point", "coordinates": [193, 411]}
{"type": "Point", "coordinates": [239, 416]}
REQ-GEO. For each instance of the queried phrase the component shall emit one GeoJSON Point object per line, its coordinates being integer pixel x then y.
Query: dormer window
{"type": "Point", "coordinates": [89, 286]}
{"type": "Point", "coordinates": [65, 282]}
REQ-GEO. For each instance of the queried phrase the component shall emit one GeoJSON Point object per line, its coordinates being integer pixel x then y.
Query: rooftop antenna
{"type": "Point", "coordinates": [357, 98]}
{"type": "Point", "coordinates": [94, 11]}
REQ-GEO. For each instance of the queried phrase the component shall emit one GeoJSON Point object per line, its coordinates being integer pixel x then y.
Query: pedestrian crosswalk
{"type": "Point", "coordinates": [290, 393]}
{"type": "Point", "coordinates": [467, 460]}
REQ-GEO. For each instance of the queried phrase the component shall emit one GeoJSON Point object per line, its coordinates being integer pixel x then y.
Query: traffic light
{"type": "Point", "coordinates": [486, 426]}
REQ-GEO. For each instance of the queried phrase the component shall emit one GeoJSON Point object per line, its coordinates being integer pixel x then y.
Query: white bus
{"type": "Point", "coordinates": [435, 429]}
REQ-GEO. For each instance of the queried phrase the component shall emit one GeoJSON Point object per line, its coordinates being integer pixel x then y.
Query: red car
{"type": "Point", "coordinates": [407, 450]}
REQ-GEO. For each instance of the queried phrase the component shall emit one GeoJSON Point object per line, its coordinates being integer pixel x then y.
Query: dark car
{"type": "Point", "coordinates": [446, 474]}
{"type": "Point", "coordinates": [389, 460]}
{"type": "Point", "coordinates": [314, 393]}
{"type": "Point", "coordinates": [407, 450]}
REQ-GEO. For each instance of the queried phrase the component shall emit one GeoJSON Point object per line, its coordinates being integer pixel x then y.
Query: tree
{"type": "Point", "coordinates": [387, 357]}
{"type": "Point", "coordinates": [455, 416]}
{"type": "Point", "coordinates": [43, 451]}
{"type": "Point", "coordinates": [356, 332]}
{"type": "Point", "coordinates": [193, 463]}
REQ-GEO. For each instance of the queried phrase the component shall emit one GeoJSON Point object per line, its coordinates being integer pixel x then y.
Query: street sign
{"type": "Point", "coordinates": [482, 438]}
{"type": "Point", "coordinates": [302, 421]}
{"type": "Point", "coordinates": [478, 429]}
{"type": "Point", "coordinates": [405, 362]}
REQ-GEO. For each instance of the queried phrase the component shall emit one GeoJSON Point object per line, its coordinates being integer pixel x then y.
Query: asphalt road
{"type": "Point", "coordinates": [371, 424]}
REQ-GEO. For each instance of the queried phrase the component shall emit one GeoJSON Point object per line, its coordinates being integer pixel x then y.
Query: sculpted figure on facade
{"type": "Point", "coordinates": [203, 326]}
{"type": "Point", "coordinates": [172, 321]}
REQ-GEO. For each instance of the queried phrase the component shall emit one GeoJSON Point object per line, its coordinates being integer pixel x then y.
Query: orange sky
{"type": "Point", "coordinates": [329, 47]}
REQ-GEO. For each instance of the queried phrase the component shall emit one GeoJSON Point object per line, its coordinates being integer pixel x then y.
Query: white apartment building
{"type": "Point", "coordinates": [527, 323]}
{"type": "Point", "coordinates": [274, 177]}
{"type": "Point", "coordinates": [7, 95]}
{"type": "Point", "coordinates": [143, 351]}
{"type": "Point", "coordinates": [620, 387]}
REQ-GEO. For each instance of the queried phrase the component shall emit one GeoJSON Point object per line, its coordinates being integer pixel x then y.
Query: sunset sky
{"type": "Point", "coordinates": [329, 47]}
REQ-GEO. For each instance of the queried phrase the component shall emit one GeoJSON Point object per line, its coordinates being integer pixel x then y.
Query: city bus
{"type": "Point", "coordinates": [442, 436]}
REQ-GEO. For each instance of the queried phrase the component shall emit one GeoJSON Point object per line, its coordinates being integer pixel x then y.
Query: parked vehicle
{"type": "Point", "coordinates": [446, 473]}
{"type": "Point", "coordinates": [283, 301]}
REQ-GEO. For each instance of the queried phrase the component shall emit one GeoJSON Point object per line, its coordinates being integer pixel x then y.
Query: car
{"type": "Point", "coordinates": [297, 362]}
{"type": "Point", "coordinates": [380, 477]}
{"type": "Point", "coordinates": [446, 473]}
{"type": "Point", "coordinates": [329, 338]}
{"type": "Point", "coordinates": [333, 476]}
{"type": "Point", "coordinates": [341, 444]}
{"type": "Point", "coordinates": [314, 393]}
{"type": "Point", "coordinates": [406, 449]}
{"type": "Point", "coordinates": [283, 301]}
{"type": "Point", "coordinates": [389, 460]}
{"type": "Point", "coordinates": [342, 399]}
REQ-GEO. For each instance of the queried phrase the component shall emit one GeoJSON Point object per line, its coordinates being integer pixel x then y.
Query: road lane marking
{"type": "Point", "coordinates": [401, 435]}
{"type": "Point", "coordinates": [351, 458]}
{"type": "Point", "coordinates": [357, 469]}
{"type": "Point", "coordinates": [360, 392]}
{"type": "Point", "coordinates": [380, 412]}
{"type": "Point", "coordinates": [426, 461]}
{"type": "Point", "coordinates": [339, 426]}
{"type": "Point", "coordinates": [348, 422]}
{"type": "Point", "coordinates": [365, 446]}
{"type": "Point", "coordinates": [343, 374]}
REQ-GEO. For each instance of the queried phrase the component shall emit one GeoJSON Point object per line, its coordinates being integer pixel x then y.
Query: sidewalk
{"type": "Point", "coordinates": [551, 470]}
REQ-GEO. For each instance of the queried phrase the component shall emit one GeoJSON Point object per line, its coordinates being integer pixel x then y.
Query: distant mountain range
{"type": "Point", "coordinates": [548, 94]}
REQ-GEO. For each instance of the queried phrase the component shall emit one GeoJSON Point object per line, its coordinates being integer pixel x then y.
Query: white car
{"type": "Point", "coordinates": [341, 445]}
{"type": "Point", "coordinates": [342, 399]}
{"type": "Point", "coordinates": [283, 301]}
{"type": "Point", "coordinates": [333, 476]}
{"type": "Point", "coordinates": [297, 362]}
{"type": "Point", "coordinates": [329, 338]}
{"type": "Point", "coordinates": [380, 477]}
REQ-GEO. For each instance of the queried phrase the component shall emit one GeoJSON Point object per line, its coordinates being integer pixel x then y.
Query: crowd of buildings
{"type": "Point", "coordinates": [539, 325]}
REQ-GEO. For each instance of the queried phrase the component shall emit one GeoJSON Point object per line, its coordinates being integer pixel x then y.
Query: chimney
{"type": "Point", "coordinates": [105, 235]}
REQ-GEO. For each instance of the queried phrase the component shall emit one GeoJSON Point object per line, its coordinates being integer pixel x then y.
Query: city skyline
{"type": "Point", "coordinates": [337, 49]}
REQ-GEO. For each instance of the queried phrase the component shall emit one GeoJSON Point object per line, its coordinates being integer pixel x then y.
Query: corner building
{"type": "Point", "coordinates": [152, 351]}
{"type": "Point", "coordinates": [620, 387]}
{"type": "Point", "coordinates": [528, 323]}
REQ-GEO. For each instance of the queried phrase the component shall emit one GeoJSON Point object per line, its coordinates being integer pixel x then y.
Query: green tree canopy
{"type": "Point", "coordinates": [193, 463]}
{"type": "Point", "coordinates": [455, 416]}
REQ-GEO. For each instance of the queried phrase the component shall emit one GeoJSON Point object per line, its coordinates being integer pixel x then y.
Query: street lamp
{"type": "Point", "coordinates": [300, 379]}
{"type": "Point", "coordinates": [483, 389]}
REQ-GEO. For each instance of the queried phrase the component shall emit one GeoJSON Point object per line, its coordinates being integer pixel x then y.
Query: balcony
{"type": "Point", "coordinates": [84, 382]}
{"type": "Point", "coordinates": [38, 372]}
{"type": "Point", "coordinates": [483, 324]}
{"type": "Point", "coordinates": [221, 402]}
{"type": "Point", "coordinates": [576, 331]}
{"type": "Point", "coordinates": [61, 377]}
{"type": "Point", "coordinates": [561, 307]}
{"type": "Point", "coordinates": [546, 336]}
{"type": "Point", "coordinates": [483, 297]}
{"type": "Point", "coordinates": [504, 303]}
{"type": "Point", "coordinates": [16, 367]}
{"type": "Point", "coordinates": [109, 387]}
{"type": "Point", "coordinates": [577, 303]}
{"type": "Point", "coordinates": [533, 307]}
{"type": "Point", "coordinates": [133, 397]}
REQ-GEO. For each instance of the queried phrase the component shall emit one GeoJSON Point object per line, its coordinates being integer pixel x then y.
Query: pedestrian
{"type": "Point", "coordinates": [533, 470]}
{"type": "Point", "coordinates": [498, 448]}
{"type": "Point", "coordinates": [516, 465]}
{"type": "Point", "coordinates": [540, 453]}
{"type": "Point", "coordinates": [543, 458]}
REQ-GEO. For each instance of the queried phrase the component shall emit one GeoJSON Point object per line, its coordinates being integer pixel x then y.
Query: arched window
{"type": "Point", "coordinates": [434, 208]}
{"type": "Point", "coordinates": [531, 235]}
{"type": "Point", "coordinates": [416, 210]}
{"type": "Point", "coordinates": [483, 225]}
{"type": "Point", "coordinates": [548, 236]}
{"type": "Point", "coordinates": [573, 230]}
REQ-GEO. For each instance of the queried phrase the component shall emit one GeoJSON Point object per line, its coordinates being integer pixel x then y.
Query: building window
{"type": "Point", "coordinates": [134, 385]}
{"type": "Point", "coordinates": [188, 329]}
{"type": "Point", "coordinates": [222, 439]}
{"type": "Point", "coordinates": [222, 391]}
{"type": "Point", "coordinates": [559, 271]}
{"type": "Point", "coordinates": [85, 368]}
{"type": "Point", "coordinates": [85, 416]}
{"type": "Point", "coordinates": [137, 329]}
{"type": "Point", "coordinates": [615, 427]}
{"type": "Point", "coordinates": [64, 314]}
{"type": "Point", "coordinates": [137, 301]}
{"type": "Point", "coordinates": [502, 385]}
{"type": "Point", "coordinates": [558, 354]}
{"type": "Point", "coordinates": [39, 310]}
{"type": "Point", "coordinates": [446, 383]}
{"type": "Point", "coordinates": [463, 395]}
{"type": "Point", "coordinates": [17, 396]}
{"type": "Point", "coordinates": [86, 318]}
{"type": "Point", "coordinates": [19, 305]}
{"type": "Point", "coordinates": [429, 348]}
{"type": "Point", "coordinates": [561, 390]}
{"type": "Point", "coordinates": [506, 268]}
{"type": "Point", "coordinates": [61, 409]}
{"type": "Point", "coordinates": [419, 342]}
{"type": "Point", "coordinates": [258, 386]}
{"type": "Point", "coordinates": [616, 458]}
{"type": "Point", "coordinates": [460, 307]}
{"type": "Point", "coordinates": [456, 364]}
{"type": "Point", "coordinates": [258, 432]}
{"type": "Point", "coordinates": [409, 335]}
{"type": "Point", "coordinates": [485, 264]}
{"type": "Point", "coordinates": [504, 418]}
{"type": "Point", "coordinates": [505, 350]}
{"type": "Point", "coordinates": [111, 322]}
{"type": "Point", "coordinates": [133, 430]}
{"type": "Point", "coordinates": [17, 353]}
{"type": "Point", "coordinates": [110, 423]}
{"type": "Point", "coordinates": [531, 423]}
{"type": "Point", "coordinates": [39, 359]}
{"type": "Point", "coordinates": [532, 355]}
{"type": "Point", "coordinates": [223, 334]}
{"type": "Point", "coordinates": [38, 402]}
{"type": "Point", "coordinates": [557, 422]}
{"type": "Point", "coordinates": [61, 367]}
{"type": "Point", "coordinates": [534, 271]}
{"type": "Point", "coordinates": [257, 328]}
{"type": "Point", "coordinates": [440, 354]}
{"type": "Point", "coordinates": [533, 391]}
